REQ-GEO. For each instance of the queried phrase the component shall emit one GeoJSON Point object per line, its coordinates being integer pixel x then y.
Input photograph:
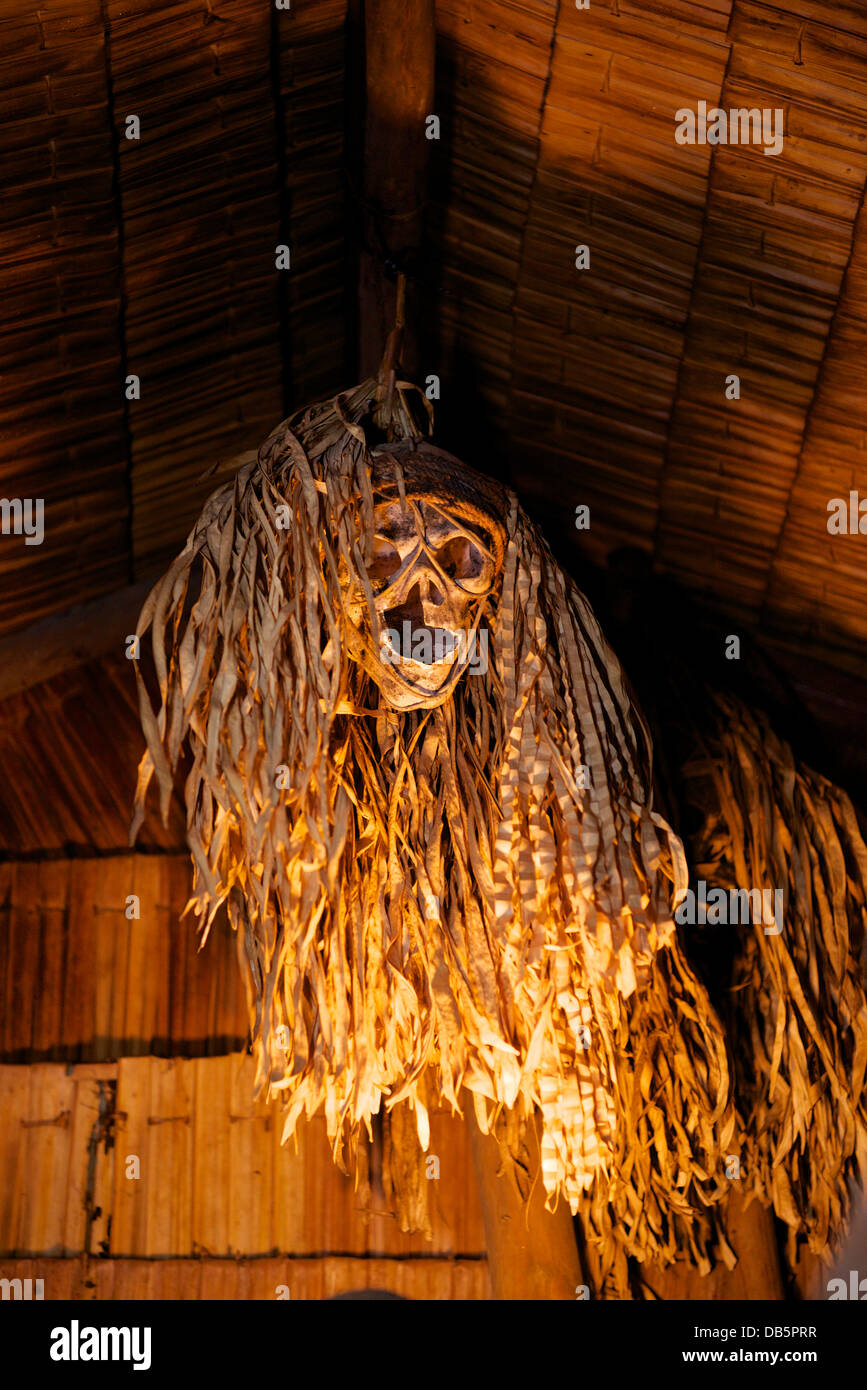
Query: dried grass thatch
{"type": "Point", "coordinates": [433, 900]}
{"type": "Point", "coordinates": [798, 1009]}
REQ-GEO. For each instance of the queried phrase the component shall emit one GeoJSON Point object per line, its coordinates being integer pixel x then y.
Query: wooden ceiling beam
{"type": "Point", "coordinates": [399, 47]}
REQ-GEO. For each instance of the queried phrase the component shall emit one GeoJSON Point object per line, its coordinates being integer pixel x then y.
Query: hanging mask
{"type": "Point", "coordinates": [436, 559]}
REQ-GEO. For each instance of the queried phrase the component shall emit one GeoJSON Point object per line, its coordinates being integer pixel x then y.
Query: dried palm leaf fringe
{"type": "Point", "coordinates": [798, 1016]}
{"type": "Point", "coordinates": [435, 897]}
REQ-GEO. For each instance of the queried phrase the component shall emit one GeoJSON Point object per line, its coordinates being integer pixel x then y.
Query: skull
{"type": "Point", "coordinates": [436, 555]}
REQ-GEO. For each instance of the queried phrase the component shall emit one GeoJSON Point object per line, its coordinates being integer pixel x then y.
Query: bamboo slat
{"type": "Point", "coordinates": [45, 1152]}
{"type": "Point", "coordinates": [81, 981]}
{"type": "Point", "coordinates": [61, 402]}
{"type": "Point", "coordinates": [150, 965]}
{"type": "Point", "coordinates": [168, 1152]}
{"type": "Point", "coordinates": [294, 1215]}
{"type": "Point", "coordinates": [232, 1280]}
{"type": "Point", "coordinates": [51, 891]}
{"type": "Point", "coordinates": [129, 1226]}
{"type": "Point", "coordinates": [214, 1180]}
{"type": "Point", "coordinates": [15, 1101]}
{"type": "Point", "coordinates": [22, 969]}
{"type": "Point", "coordinates": [212, 1157]}
{"type": "Point", "coordinates": [80, 1199]}
{"type": "Point", "coordinates": [117, 969]}
{"type": "Point", "coordinates": [77, 737]}
{"type": "Point", "coordinates": [251, 1159]}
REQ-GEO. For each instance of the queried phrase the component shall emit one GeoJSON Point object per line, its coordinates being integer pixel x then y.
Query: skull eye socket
{"type": "Point", "coordinates": [385, 561]}
{"type": "Point", "coordinates": [460, 559]}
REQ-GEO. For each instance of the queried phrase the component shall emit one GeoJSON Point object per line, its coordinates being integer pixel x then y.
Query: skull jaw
{"type": "Point", "coordinates": [404, 683]}
{"type": "Point", "coordinates": [406, 694]}
{"type": "Point", "coordinates": [408, 684]}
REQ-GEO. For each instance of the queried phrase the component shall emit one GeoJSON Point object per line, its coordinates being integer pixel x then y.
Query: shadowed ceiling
{"type": "Point", "coordinates": [604, 386]}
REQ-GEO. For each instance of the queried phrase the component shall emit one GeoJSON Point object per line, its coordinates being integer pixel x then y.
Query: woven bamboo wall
{"type": "Point", "coordinates": [82, 982]}
{"type": "Point", "coordinates": [214, 1181]}
{"type": "Point", "coordinates": [327, 1277]}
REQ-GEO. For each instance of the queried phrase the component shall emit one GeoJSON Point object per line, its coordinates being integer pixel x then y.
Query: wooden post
{"type": "Point", "coordinates": [757, 1275]}
{"type": "Point", "coordinates": [532, 1252]}
{"type": "Point", "coordinates": [399, 41]}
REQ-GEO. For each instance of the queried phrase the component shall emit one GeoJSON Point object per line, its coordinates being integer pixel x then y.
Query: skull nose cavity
{"type": "Point", "coordinates": [412, 636]}
{"type": "Point", "coordinates": [427, 590]}
{"type": "Point", "coordinates": [410, 611]}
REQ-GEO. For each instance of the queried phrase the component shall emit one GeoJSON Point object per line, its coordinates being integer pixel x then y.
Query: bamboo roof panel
{"type": "Point", "coordinates": [557, 129]}
{"type": "Point", "coordinates": [705, 261]}
{"type": "Point", "coordinates": [60, 407]}
{"type": "Point", "coordinates": [310, 69]}
{"type": "Point", "coordinates": [833, 584]}
{"type": "Point", "coordinates": [781, 365]}
{"type": "Point", "coordinates": [78, 735]}
{"type": "Point", "coordinates": [207, 153]}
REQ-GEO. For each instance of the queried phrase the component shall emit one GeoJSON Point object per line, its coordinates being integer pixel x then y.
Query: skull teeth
{"type": "Point", "coordinates": [420, 644]}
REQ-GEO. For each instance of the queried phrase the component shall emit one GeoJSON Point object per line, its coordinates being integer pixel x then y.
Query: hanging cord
{"type": "Point", "coordinates": [395, 262]}
{"type": "Point", "coordinates": [392, 411]}
{"type": "Point", "coordinates": [390, 360]}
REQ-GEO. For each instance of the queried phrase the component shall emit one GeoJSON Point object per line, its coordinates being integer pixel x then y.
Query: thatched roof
{"type": "Point", "coordinates": [705, 261]}
{"type": "Point", "coordinates": [606, 385]}
{"type": "Point", "coordinates": [156, 258]}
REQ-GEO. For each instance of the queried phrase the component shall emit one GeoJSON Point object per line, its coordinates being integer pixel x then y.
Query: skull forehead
{"type": "Point", "coordinates": [433, 497]}
{"type": "Point", "coordinates": [422, 470]}
{"type": "Point", "coordinates": [397, 522]}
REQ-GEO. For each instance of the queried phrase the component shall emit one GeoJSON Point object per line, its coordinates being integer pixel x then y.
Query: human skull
{"type": "Point", "coordinates": [436, 555]}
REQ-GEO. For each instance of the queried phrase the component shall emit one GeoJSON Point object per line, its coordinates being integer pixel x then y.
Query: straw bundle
{"type": "Point", "coordinates": [476, 895]}
{"type": "Point", "coordinates": [798, 1011]}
